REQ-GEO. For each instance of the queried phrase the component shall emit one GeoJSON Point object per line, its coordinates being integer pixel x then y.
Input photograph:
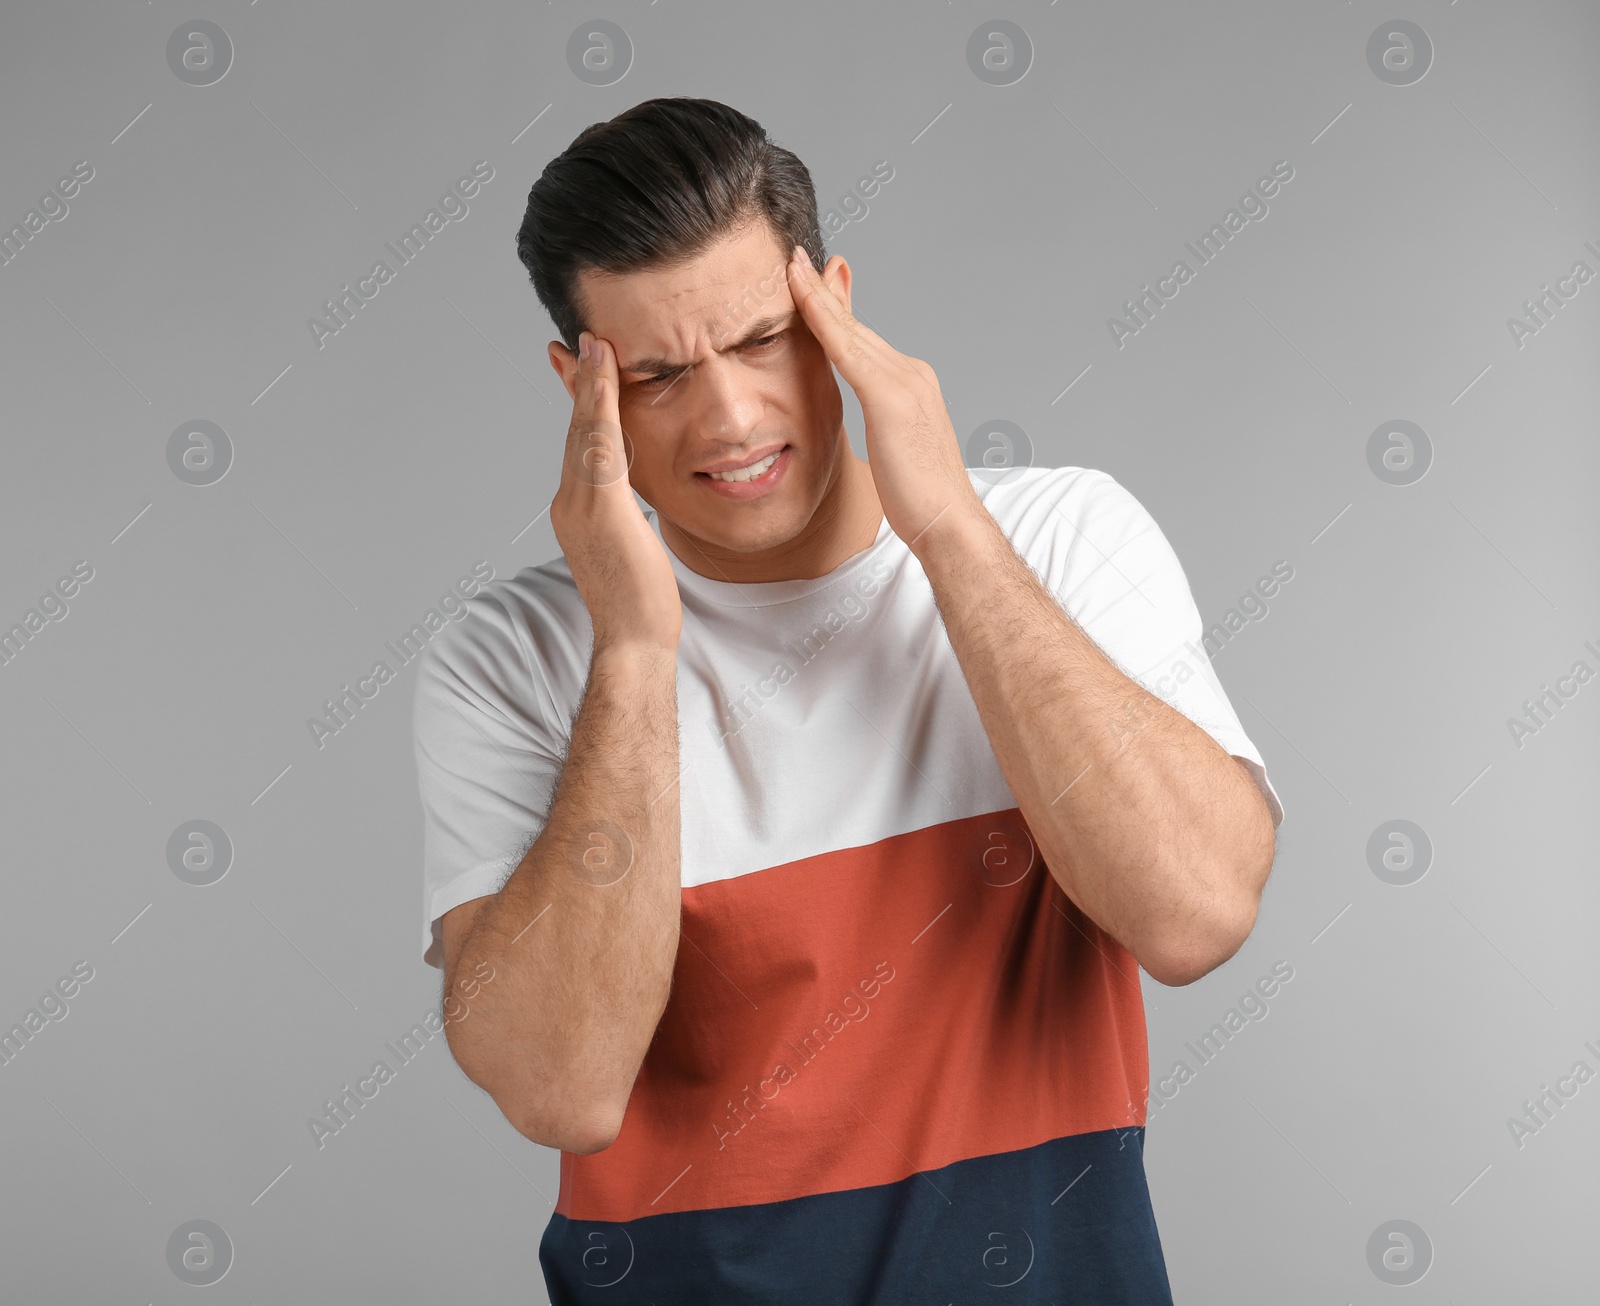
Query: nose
{"type": "Point", "coordinates": [734, 405]}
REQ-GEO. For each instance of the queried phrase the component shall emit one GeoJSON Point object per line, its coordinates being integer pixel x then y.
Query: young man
{"type": "Point", "coordinates": [791, 851]}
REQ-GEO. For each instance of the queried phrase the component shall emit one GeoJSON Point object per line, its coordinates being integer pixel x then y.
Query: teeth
{"type": "Point", "coordinates": [747, 473]}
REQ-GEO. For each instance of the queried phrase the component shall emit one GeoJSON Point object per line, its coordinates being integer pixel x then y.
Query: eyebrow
{"type": "Point", "coordinates": [763, 326]}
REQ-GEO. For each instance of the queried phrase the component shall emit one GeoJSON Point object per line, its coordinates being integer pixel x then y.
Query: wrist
{"type": "Point", "coordinates": [632, 652]}
{"type": "Point", "coordinates": [962, 530]}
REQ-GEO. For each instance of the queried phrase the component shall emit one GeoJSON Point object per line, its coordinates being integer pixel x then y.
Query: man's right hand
{"type": "Point", "coordinates": [559, 1037]}
{"type": "Point", "coordinates": [621, 569]}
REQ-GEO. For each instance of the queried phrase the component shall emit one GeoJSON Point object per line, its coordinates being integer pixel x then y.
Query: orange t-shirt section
{"type": "Point", "coordinates": [851, 1019]}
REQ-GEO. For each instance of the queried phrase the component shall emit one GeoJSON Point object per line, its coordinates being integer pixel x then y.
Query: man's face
{"type": "Point", "coordinates": [717, 366]}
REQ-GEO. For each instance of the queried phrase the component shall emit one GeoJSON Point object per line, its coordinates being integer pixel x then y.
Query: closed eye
{"type": "Point", "coordinates": [663, 378]}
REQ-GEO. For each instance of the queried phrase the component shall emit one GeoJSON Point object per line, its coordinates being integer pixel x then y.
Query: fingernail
{"type": "Point", "coordinates": [583, 346]}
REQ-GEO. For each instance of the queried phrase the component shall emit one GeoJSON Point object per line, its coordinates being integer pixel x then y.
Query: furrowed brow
{"type": "Point", "coordinates": [763, 326]}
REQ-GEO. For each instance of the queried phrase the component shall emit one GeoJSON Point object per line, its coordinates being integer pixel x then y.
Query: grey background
{"type": "Point", "coordinates": [368, 475]}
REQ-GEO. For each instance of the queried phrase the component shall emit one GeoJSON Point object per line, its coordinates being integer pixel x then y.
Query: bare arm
{"type": "Point", "coordinates": [582, 938]}
{"type": "Point", "coordinates": [1145, 821]}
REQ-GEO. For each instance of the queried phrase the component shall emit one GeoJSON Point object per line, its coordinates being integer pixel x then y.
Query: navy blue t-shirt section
{"type": "Point", "coordinates": [1068, 1221]}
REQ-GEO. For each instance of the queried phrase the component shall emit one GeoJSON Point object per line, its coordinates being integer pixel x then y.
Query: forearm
{"type": "Point", "coordinates": [583, 936]}
{"type": "Point", "coordinates": [1146, 822]}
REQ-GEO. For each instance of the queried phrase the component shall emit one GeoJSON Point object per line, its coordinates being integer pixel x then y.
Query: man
{"type": "Point", "coordinates": [849, 833]}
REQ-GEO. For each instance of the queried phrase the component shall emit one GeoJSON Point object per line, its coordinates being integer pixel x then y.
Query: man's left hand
{"type": "Point", "coordinates": [912, 449]}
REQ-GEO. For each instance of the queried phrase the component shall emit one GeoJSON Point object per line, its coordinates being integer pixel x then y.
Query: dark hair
{"type": "Point", "coordinates": [657, 185]}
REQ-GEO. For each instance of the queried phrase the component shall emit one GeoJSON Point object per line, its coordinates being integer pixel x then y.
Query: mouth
{"type": "Point", "coordinates": [738, 473]}
{"type": "Point", "coordinates": [751, 480]}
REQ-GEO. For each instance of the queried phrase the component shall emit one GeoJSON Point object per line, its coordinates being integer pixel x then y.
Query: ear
{"type": "Point", "coordinates": [565, 363]}
{"type": "Point", "coordinates": [836, 276]}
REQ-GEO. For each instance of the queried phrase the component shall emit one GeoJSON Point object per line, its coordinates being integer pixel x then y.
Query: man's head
{"type": "Point", "coordinates": [666, 232]}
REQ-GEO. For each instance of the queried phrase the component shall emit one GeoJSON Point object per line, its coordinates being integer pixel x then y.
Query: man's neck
{"type": "Point", "coordinates": [845, 523]}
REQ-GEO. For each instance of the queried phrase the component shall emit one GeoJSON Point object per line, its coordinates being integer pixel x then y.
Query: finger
{"type": "Point", "coordinates": [582, 409]}
{"type": "Point", "coordinates": [854, 348]}
{"type": "Point", "coordinates": [597, 453]}
{"type": "Point", "coordinates": [603, 368]}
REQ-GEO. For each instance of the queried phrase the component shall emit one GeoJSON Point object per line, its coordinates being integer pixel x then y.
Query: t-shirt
{"type": "Point", "coordinates": [897, 1063]}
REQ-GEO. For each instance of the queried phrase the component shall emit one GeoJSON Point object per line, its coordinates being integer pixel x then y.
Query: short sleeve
{"type": "Point", "coordinates": [1117, 576]}
{"type": "Point", "coordinates": [487, 761]}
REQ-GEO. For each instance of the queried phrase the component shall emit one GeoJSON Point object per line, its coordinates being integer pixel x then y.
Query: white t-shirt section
{"type": "Point", "coordinates": [814, 715]}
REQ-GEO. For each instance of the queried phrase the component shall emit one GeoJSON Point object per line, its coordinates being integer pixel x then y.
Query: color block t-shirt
{"type": "Point", "coordinates": [897, 1062]}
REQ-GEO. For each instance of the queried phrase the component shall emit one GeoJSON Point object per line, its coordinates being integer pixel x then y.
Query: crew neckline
{"type": "Point", "coordinates": [743, 594]}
